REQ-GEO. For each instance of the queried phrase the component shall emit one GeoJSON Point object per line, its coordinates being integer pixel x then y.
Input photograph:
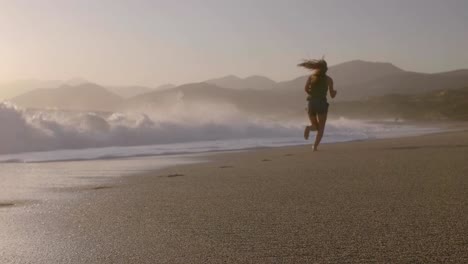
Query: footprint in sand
{"type": "Point", "coordinates": [101, 187]}
{"type": "Point", "coordinates": [8, 204]}
{"type": "Point", "coordinates": [175, 175]}
{"type": "Point", "coordinates": [265, 160]}
{"type": "Point", "coordinates": [226, 167]}
{"type": "Point", "coordinates": [288, 155]}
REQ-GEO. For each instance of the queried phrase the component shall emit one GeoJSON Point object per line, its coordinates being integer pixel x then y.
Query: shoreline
{"type": "Point", "coordinates": [433, 128]}
{"type": "Point", "coordinates": [398, 200]}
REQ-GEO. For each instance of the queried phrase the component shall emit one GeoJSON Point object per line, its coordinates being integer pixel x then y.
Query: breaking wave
{"type": "Point", "coordinates": [45, 130]}
{"type": "Point", "coordinates": [27, 131]}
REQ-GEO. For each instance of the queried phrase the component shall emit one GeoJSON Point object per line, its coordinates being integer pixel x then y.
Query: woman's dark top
{"type": "Point", "coordinates": [318, 87]}
{"type": "Point", "coordinates": [318, 95]}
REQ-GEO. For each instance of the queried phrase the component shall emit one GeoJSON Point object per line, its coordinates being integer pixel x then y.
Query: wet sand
{"type": "Point", "coordinates": [381, 201]}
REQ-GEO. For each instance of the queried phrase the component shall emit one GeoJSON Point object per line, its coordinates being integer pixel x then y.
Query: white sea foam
{"type": "Point", "coordinates": [178, 129]}
{"type": "Point", "coordinates": [26, 131]}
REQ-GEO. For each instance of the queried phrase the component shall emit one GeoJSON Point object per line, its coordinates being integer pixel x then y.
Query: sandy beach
{"type": "Point", "coordinates": [379, 201]}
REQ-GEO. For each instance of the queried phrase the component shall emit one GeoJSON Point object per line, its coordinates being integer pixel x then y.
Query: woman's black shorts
{"type": "Point", "coordinates": [317, 106]}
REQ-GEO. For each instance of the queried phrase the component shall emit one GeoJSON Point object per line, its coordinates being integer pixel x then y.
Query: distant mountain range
{"type": "Point", "coordinates": [445, 104]}
{"type": "Point", "coordinates": [255, 82]}
{"type": "Point", "coordinates": [354, 80]}
{"type": "Point", "coordinates": [128, 91]}
{"type": "Point", "coordinates": [12, 89]}
{"type": "Point", "coordinates": [358, 80]}
{"type": "Point", "coordinates": [165, 87]}
{"type": "Point", "coordinates": [132, 91]}
{"type": "Point", "coordinates": [86, 96]}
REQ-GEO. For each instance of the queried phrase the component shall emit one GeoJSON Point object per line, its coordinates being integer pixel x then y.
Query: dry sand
{"type": "Point", "coordinates": [383, 201]}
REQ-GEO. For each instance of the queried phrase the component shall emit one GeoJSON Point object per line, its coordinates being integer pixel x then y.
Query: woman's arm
{"type": "Point", "coordinates": [332, 91]}
{"type": "Point", "coordinates": [307, 87]}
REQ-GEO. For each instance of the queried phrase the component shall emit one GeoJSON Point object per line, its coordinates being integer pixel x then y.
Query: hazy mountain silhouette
{"type": "Point", "coordinates": [86, 96]}
{"type": "Point", "coordinates": [76, 81]}
{"type": "Point", "coordinates": [359, 72]}
{"type": "Point", "coordinates": [128, 91]}
{"type": "Point", "coordinates": [132, 91]}
{"type": "Point", "coordinates": [405, 83]}
{"type": "Point", "coordinates": [354, 73]}
{"type": "Point", "coordinates": [15, 88]}
{"type": "Point", "coordinates": [187, 92]}
{"type": "Point", "coordinates": [354, 80]}
{"type": "Point", "coordinates": [267, 104]}
{"type": "Point", "coordinates": [254, 82]}
{"type": "Point", "coordinates": [12, 89]}
{"type": "Point", "coordinates": [165, 86]}
{"type": "Point", "coordinates": [258, 102]}
{"type": "Point", "coordinates": [435, 105]}
{"type": "Point", "coordinates": [357, 80]}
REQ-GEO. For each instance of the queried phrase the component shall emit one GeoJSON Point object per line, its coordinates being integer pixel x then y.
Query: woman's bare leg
{"type": "Point", "coordinates": [322, 120]}
{"type": "Point", "coordinates": [314, 121]}
{"type": "Point", "coordinates": [312, 127]}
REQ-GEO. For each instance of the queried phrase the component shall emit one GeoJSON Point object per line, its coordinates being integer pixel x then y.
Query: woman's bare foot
{"type": "Point", "coordinates": [306, 132]}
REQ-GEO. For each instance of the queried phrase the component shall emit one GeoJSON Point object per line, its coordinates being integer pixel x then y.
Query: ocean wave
{"type": "Point", "coordinates": [40, 130]}
{"type": "Point", "coordinates": [48, 130]}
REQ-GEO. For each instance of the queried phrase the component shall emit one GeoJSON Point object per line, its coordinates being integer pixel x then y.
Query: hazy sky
{"type": "Point", "coordinates": [177, 41]}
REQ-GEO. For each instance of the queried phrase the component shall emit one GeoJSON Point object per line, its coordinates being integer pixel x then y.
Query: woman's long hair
{"type": "Point", "coordinates": [320, 66]}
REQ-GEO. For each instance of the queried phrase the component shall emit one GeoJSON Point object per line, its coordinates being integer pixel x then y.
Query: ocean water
{"type": "Point", "coordinates": [335, 133]}
{"type": "Point", "coordinates": [39, 176]}
{"type": "Point", "coordinates": [51, 135]}
{"type": "Point", "coordinates": [42, 151]}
